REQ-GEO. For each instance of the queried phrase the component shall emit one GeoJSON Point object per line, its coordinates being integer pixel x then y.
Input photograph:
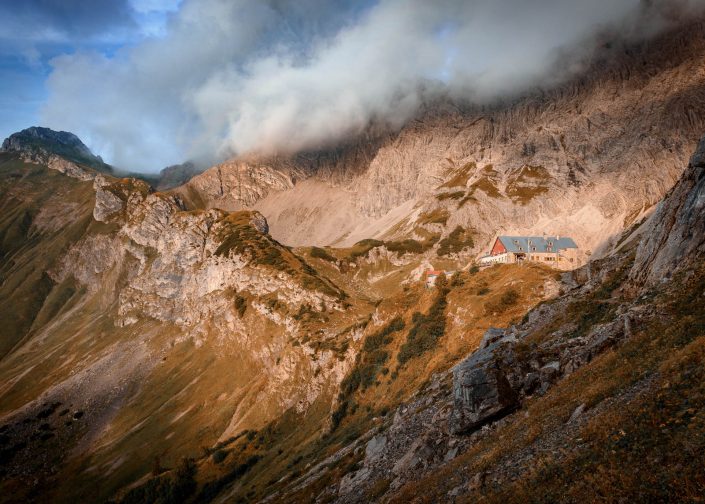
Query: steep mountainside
{"type": "Point", "coordinates": [586, 159]}
{"type": "Point", "coordinates": [139, 326]}
{"type": "Point", "coordinates": [596, 394]}
{"type": "Point", "coordinates": [127, 313]}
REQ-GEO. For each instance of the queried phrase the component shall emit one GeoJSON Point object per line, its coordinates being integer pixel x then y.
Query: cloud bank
{"type": "Point", "coordinates": [262, 76]}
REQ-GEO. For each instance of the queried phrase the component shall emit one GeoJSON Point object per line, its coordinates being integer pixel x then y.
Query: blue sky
{"type": "Point", "coordinates": [33, 32]}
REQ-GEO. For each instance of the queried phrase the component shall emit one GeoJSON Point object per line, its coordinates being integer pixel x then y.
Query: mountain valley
{"type": "Point", "coordinates": [266, 331]}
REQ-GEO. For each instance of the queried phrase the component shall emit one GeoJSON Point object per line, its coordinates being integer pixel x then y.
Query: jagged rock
{"type": "Point", "coordinates": [63, 166]}
{"type": "Point", "coordinates": [677, 229]}
{"type": "Point", "coordinates": [259, 222]}
{"type": "Point", "coordinates": [375, 448]}
{"type": "Point", "coordinates": [481, 389]}
{"type": "Point", "coordinates": [577, 412]}
{"type": "Point", "coordinates": [107, 203]}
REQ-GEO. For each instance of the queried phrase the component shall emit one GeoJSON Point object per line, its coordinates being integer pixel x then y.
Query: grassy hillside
{"type": "Point", "coordinates": [640, 438]}
{"type": "Point", "coordinates": [42, 212]}
{"type": "Point", "coordinates": [391, 365]}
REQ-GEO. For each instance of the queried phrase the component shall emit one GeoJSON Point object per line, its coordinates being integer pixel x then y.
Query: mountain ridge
{"type": "Point", "coordinates": [594, 157]}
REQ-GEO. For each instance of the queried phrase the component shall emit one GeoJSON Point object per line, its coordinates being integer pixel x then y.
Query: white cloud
{"type": "Point", "coordinates": [264, 76]}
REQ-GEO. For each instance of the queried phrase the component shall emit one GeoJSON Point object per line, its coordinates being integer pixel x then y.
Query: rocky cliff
{"type": "Point", "coordinates": [675, 235]}
{"type": "Point", "coordinates": [586, 159]}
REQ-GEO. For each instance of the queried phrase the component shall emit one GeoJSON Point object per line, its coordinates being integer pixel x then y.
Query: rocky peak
{"type": "Point", "coordinates": [42, 143]}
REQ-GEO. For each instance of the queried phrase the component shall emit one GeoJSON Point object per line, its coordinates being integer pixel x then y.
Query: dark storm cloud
{"type": "Point", "coordinates": [241, 76]}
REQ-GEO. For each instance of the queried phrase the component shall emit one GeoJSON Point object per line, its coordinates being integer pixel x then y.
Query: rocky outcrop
{"type": "Point", "coordinates": [238, 184]}
{"type": "Point", "coordinates": [676, 233]}
{"type": "Point", "coordinates": [42, 144]}
{"type": "Point", "coordinates": [493, 381]}
{"type": "Point", "coordinates": [111, 196]}
{"type": "Point", "coordinates": [481, 389]}
{"type": "Point", "coordinates": [186, 262]}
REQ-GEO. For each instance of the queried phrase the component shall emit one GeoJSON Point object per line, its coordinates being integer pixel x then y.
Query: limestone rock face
{"type": "Point", "coordinates": [107, 203]}
{"type": "Point", "coordinates": [239, 184]}
{"type": "Point", "coordinates": [676, 234]}
{"type": "Point", "coordinates": [183, 263]}
{"type": "Point", "coordinates": [573, 161]}
{"type": "Point", "coordinates": [63, 166]}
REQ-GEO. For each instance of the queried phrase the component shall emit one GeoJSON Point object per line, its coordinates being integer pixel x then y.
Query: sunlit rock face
{"type": "Point", "coordinates": [573, 161]}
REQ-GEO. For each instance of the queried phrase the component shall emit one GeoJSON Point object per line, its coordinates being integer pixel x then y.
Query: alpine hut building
{"type": "Point", "coordinates": [557, 251]}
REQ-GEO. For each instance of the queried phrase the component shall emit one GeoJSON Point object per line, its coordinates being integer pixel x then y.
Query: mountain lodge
{"type": "Point", "coordinates": [557, 251]}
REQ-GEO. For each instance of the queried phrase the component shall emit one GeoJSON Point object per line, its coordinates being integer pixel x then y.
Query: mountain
{"type": "Point", "coordinates": [127, 293]}
{"type": "Point", "coordinates": [148, 328]}
{"type": "Point", "coordinates": [37, 142]}
{"type": "Point", "coordinates": [263, 333]}
{"type": "Point", "coordinates": [586, 159]}
{"type": "Point", "coordinates": [176, 175]}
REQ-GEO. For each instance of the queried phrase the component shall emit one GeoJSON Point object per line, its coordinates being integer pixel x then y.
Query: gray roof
{"type": "Point", "coordinates": [540, 243]}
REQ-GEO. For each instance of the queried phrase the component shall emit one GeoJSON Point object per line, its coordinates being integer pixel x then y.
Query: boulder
{"type": "Point", "coordinates": [481, 390]}
{"type": "Point", "coordinates": [375, 448]}
{"type": "Point", "coordinates": [259, 222]}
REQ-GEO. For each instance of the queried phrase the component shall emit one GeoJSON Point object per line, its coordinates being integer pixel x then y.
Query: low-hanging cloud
{"type": "Point", "coordinates": [253, 76]}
